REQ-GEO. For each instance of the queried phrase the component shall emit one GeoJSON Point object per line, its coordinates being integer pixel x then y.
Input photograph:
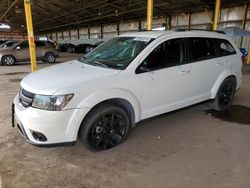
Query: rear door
{"type": "Point", "coordinates": [22, 53]}
{"type": "Point", "coordinates": [206, 67]}
{"type": "Point", "coordinates": [39, 49]}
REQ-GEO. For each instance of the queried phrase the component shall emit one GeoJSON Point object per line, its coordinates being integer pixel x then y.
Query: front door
{"type": "Point", "coordinates": [164, 78]}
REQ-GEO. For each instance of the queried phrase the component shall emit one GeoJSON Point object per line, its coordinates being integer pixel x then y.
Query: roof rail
{"type": "Point", "coordinates": [217, 31]}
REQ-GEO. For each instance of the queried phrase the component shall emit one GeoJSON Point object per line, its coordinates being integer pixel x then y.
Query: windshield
{"type": "Point", "coordinates": [118, 52]}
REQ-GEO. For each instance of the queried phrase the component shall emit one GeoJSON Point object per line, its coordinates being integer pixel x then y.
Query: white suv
{"type": "Point", "coordinates": [123, 81]}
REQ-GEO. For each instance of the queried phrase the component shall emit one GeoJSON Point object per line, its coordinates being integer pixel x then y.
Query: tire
{"type": "Point", "coordinates": [225, 95]}
{"type": "Point", "coordinates": [105, 127]}
{"type": "Point", "coordinates": [8, 60]}
{"type": "Point", "coordinates": [50, 58]}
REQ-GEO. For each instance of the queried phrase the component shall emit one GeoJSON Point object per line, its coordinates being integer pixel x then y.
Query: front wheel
{"type": "Point", "coordinates": [225, 95]}
{"type": "Point", "coordinates": [8, 60]}
{"type": "Point", "coordinates": [105, 127]}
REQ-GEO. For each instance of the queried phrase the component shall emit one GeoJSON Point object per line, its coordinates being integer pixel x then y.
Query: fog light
{"type": "Point", "coordinates": [39, 136]}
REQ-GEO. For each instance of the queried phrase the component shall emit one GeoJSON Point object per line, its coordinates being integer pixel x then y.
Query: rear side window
{"type": "Point", "coordinates": [201, 48]}
{"type": "Point", "coordinates": [39, 43]}
{"type": "Point", "coordinates": [225, 48]}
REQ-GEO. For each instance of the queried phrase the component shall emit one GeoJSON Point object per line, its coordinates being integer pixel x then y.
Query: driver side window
{"type": "Point", "coordinates": [168, 54]}
{"type": "Point", "coordinates": [24, 45]}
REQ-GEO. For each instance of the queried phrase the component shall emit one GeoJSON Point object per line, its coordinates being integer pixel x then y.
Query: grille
{"type": "Point", "coordinates": [26, 98]}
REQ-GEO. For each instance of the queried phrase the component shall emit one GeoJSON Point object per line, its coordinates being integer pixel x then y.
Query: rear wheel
{"type": "Point", "coordinates": [225, 95]}
{"type": "Point", "coordinates": [50, 58]}
{"type": "Point", "coordinates": [105, 127]}
{"type": "Point", "coordinates": [8, 60]}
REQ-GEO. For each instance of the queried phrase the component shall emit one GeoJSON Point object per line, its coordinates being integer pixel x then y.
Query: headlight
{"type": "Point", "coordinates": [52, 103]}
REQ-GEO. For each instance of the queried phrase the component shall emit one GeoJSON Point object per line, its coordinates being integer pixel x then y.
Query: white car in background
{"type": "Point", "coordinates": [123, 81]}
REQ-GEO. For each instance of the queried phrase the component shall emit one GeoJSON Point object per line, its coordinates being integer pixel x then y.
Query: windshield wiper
{"type": "Point", "coordinates": [100, 64]}
{"type": "Point", "coordinates": [92, 62]}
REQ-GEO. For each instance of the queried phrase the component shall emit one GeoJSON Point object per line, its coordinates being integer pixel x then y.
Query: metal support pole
{"type": "Point", "coordinates": [69, 35]}
{"type": "Point", "coordinates": [244, 22]}
{"type": "Point", "coordinates": [118, 29]}
{"type": "Point", "coordinates": [31, 39]}
{"type": "Point", "coordinates": [101, 32]}
{"type": "Point", "coordinates": [189, 21]}
{"type": "Point", "coordinates": [216, 14]}
{"type": "Point", "coordinates": [139, 25]}
{"type": "Point", "coordinates": [89, 31]}
{"type": "Point", "coordinates": [149, 14]}
{"type": "Point", "coordinates": [78, 33]}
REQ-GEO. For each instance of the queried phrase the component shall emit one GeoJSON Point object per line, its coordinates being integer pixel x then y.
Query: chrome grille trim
{"type": "Point", "coordinates": [26, 98]}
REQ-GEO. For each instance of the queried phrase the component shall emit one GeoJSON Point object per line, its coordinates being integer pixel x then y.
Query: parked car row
{"type": "Point", "coordinates": [80, 48]}
{"type": "Point", "coordinates": [45, 51]}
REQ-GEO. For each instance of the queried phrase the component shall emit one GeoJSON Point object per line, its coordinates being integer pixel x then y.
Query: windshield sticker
{"type": "Point", "coordinates": [143, 39]}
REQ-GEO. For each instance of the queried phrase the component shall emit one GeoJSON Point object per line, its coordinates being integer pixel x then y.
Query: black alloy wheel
{"type": "Point", "coordinates": [225, 95]}
{"type": "Point", "coordinates": [108, 131]}
{"type": "Point", "coordinates": [105, 127]}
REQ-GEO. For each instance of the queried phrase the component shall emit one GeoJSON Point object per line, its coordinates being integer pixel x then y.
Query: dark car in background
{"type": "Point", "coordinates": [80, 48]}
{"type": "Point", "coordinates": [92, 47]}
{"type": "Point", "coordinates": [64, 47]}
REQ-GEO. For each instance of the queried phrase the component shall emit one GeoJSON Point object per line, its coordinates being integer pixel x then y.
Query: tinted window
{"type": "Point", "coordinates": [39, 43]}
{"type": "Point", "coordinates": [225, 48]}
{"type": "Point", "coordinates": [167, 54]}
{"type": "Point", "coordinates": [24, 45]}
{"type": "Point", "coordinates": [201, 49]}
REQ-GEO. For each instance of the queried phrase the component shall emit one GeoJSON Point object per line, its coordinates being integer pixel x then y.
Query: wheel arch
{"type": "Point", "coordinates": [7, 55]}
{"type": "Point", "coordinates": [123, 103]}
{"type": "Point", "coordinates": [219, 81]}
{"type": "Point", "coordinates": [117, 96]}
{"type": "Point", "coordinates": [50, 52]}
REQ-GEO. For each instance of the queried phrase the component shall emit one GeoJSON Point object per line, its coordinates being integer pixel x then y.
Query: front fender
{"type": "Point", "coordinates": [100, 96]}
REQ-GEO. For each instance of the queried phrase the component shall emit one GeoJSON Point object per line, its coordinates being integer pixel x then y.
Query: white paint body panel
{"type": "Point", "coordinates": [150, 93]}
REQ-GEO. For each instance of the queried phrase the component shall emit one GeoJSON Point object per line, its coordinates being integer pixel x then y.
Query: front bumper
{"type": "Point", "coordinates": [59, 127]}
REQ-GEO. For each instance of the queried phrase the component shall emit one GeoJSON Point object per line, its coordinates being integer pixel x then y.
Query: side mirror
{"type": "Point", "coordinates": [18, 48]}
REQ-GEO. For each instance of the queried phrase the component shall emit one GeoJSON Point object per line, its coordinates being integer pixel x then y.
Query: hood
{"type": "Point", "coordinates": [49, 80]}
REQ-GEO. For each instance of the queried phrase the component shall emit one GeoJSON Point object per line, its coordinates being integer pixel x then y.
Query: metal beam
{"type": "Point", "coordinates": [32, 47]}
{"type": "Point", "coordinates": [7, 11]}
{"type": "Point", "coordinates": [216, 14]}
{"type": "Point", "coordinates": [245, 16]}
{"type": "Point", "coordinates": [150, 5]}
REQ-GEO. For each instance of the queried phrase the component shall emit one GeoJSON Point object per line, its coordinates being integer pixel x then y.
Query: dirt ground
{"type": "Point", "coordinates": [188, 148]}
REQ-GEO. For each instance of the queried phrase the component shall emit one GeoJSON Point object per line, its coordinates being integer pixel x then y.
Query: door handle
{"type": "Point", "coordinates": [184, 72]}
